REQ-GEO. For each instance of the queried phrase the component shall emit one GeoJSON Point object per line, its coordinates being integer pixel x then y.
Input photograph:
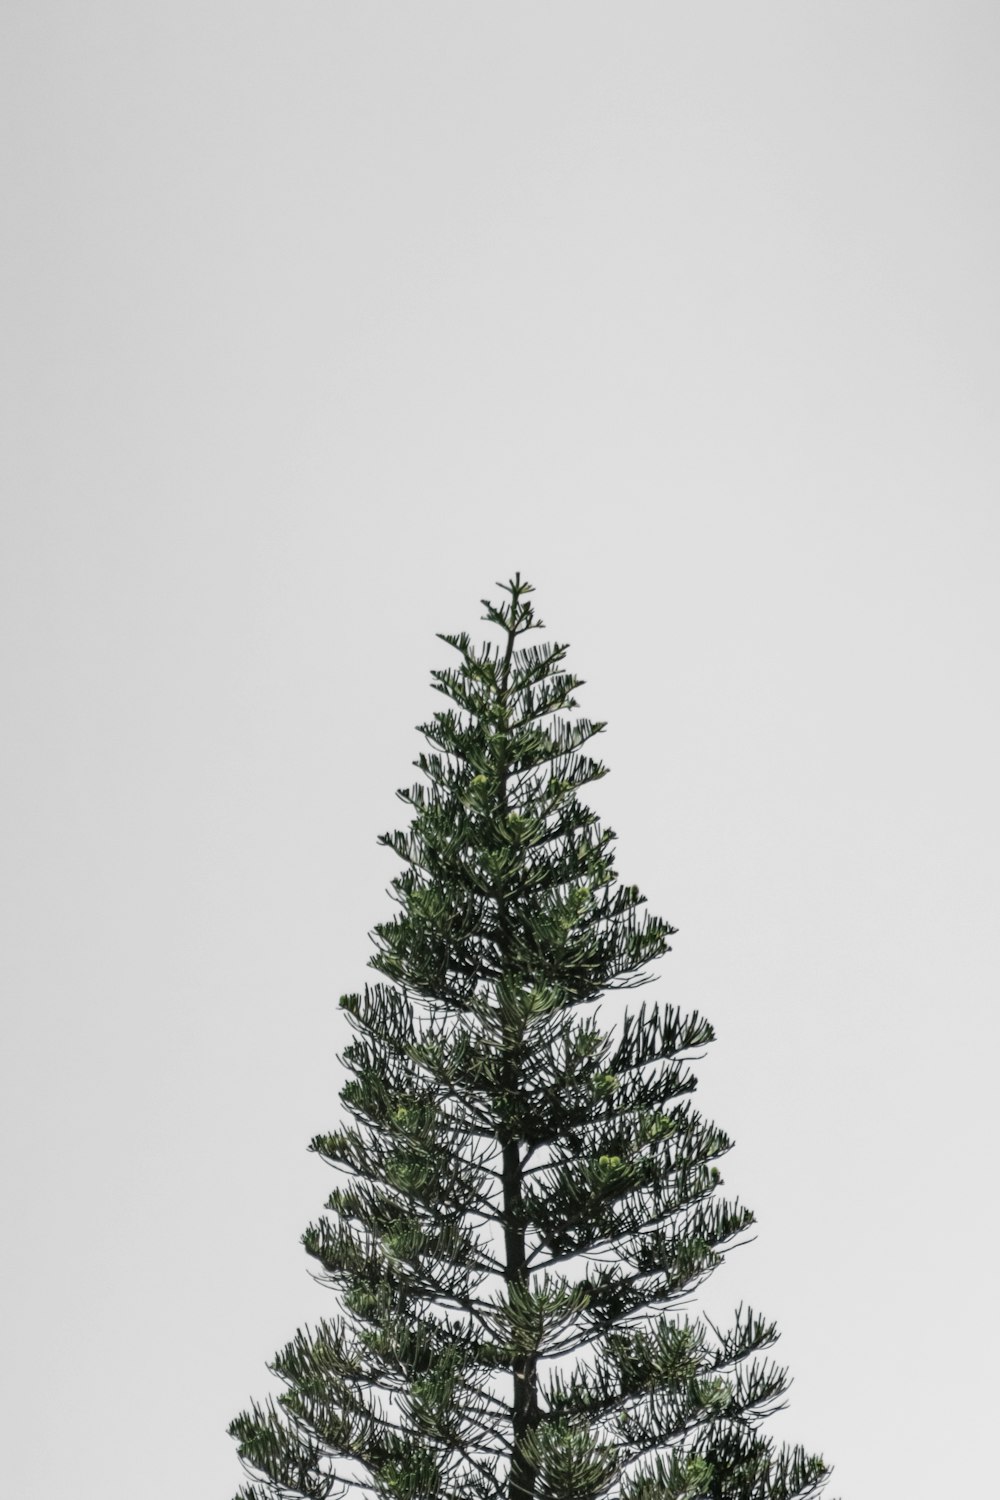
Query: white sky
{"type": "Point", "coordinates": [320, 319]}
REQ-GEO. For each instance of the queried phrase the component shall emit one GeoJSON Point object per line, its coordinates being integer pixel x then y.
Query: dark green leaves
{"type": "Point", "coordinates": [524, 1190]}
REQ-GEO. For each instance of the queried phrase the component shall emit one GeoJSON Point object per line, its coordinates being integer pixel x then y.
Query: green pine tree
{"type": "Point", "coordinates": [526, 1193]}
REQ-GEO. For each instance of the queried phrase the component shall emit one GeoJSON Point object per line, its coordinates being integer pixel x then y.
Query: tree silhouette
{"type": "Point", "coordinates": [526, 1192]}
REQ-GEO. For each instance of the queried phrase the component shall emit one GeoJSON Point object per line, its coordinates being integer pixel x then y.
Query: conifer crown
{"type": "Point", "coordinates": [526, 1195]}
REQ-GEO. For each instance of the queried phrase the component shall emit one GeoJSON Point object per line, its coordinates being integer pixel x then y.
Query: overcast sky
{"type": "Point", "coordinates": [322, 317]}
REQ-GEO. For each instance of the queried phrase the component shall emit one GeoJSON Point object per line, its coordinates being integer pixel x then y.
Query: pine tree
{"type": "Point", "coordinates": [527, 1196]}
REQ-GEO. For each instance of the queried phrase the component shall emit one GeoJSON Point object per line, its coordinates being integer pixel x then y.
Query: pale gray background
{"type": "Point", "coordinates": [321, 318]}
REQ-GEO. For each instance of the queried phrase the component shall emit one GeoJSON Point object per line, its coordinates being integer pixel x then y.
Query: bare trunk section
{"type": "Point", "coordinates": [524, 1367]}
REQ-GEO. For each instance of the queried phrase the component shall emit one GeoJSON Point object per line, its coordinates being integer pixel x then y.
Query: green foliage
{"type": "Point", "coordinates": [525, 1194]}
